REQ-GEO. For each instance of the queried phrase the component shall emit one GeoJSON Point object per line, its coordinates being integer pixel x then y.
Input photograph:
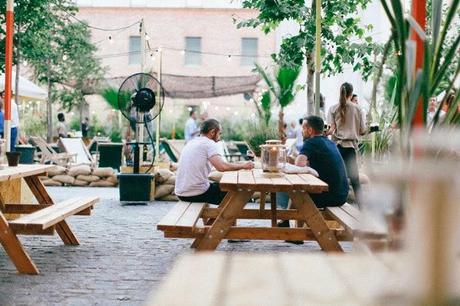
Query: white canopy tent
{"type": "Point", "coordinates": [27, 89]}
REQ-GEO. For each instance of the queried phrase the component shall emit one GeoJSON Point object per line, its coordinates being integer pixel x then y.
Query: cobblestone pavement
{"type": "Point", "coordinates": [121, 259]}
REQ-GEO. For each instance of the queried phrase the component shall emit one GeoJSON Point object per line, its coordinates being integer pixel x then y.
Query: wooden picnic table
{"type": "Point", "coordinates": [41, 219]}
{"type": "Point", "coordinates": [209, 279]}
{"type": "Point", "coordinates": [240, 187]}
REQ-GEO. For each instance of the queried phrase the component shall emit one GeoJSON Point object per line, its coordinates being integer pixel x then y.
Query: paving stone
{"type": "Point", "coordinates": [121, 259]}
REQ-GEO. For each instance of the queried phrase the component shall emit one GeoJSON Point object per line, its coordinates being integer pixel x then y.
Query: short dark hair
{"type": "Point", "coordinates": [315, 123]}
{"type": "Point", "coordinates": [191, 112]}
{"type": "Point", "coordinates": [208, 125]}
{"type": "Point", "coordinates": [300, 121]}
{"type": "Point", "coordinates": [353, 96]}
{"type": "Point", "coordinates": [61, 117]}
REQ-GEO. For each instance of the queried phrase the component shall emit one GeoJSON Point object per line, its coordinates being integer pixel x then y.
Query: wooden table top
{"type": "Point", "coordinates": [9, 173]}
{"type": "Point", "coordinates": [286, 279]}
{"type": "Point", "coordinates": [256, 180]}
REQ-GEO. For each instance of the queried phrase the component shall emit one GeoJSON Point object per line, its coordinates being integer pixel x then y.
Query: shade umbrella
{"type": "Point", "coordinates": [27, 89]}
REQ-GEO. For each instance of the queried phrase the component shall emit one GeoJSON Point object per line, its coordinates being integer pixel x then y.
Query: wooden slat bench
{"type": "Point", "coordinates": [356, 224]}
{"type": "Point", "coordinates": [40, 221]}
{"type": "Point", "coordinates": [183, 217]}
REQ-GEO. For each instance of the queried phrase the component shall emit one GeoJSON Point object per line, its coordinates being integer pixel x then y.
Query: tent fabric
{"type": "Point", "coordinates": [27, 89]}
{"type": "Point", "coordinates": [198, 87]}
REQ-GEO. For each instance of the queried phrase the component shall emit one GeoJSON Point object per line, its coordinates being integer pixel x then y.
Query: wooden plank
{"type": "Point", "coordinates": [368, 227]}
{"type": "Point", "coordinates": [282, 214]}
{"type": "Point", "coordinates": [315, 221]}
{"type": "Point", "coordinates": [310, 280]}
{"type": "Point", "coordinates": [350, 223]}
{"type": "Point", "coordinates": [282, 183]}
{"type": "Point", "coordinates": [54, 214]}
{"type": "Point", "coordinates": [190, 215]}
{"type": "Point", "coordinates": [263, 183]}
{"type": "Point", "coordinates": [315, 185]}
{"type": "Point", "coordinates": [14, 249]}
{"type": "Point", "coordinates": [23, 208]}
{"type": "Point", "coordinates": [297, 182]}
{"type": "Point", "coordinates": [365, 276]}
{"type": "Point", "coordinates": [194, 280]}
{"type": "Point", "coordinates": [10, 173]}
{"type": "Point", "coordinates": [229, 181]}
{"type": "Point", "coordinates": [246, 180]}
{"type": "Point", "coordinates": [170, 219]}
{"type": "Point", "coordinates": [251, 282]}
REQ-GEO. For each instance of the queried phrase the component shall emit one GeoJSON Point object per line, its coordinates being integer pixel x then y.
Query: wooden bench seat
{"type": "Point", "coordinates": [356, 223]}
{"type": "Point", "coordinates": [43, 221]}
{"type": "Point", "coordinates": [182, 217]}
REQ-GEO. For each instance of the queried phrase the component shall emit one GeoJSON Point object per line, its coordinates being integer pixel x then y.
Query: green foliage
{"type": "Point", "coordinates": [234, 130]}
{"type": "Point", "coordinates": [33, 125]}
{"type": "Point", "coordinates": [115, 135]}
{"type": "Point", "coordinates": [266, 103]}
{"type": "Point", "coordinates": [344, 39]}
{"type": "Point", "coordinates": [426, 82]}
{"type": "Point", "coordinates": [258, 134]}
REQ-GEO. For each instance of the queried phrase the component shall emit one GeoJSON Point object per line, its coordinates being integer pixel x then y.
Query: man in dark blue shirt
{"type": "Point", "coordinates": [321, 154]}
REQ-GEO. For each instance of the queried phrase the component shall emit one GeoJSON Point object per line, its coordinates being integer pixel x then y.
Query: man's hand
{"type": "Point", "coordinates": [247, 165]}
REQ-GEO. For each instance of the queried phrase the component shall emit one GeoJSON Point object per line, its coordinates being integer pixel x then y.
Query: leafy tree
{"type": "Point", "coordinates": [344, 39]}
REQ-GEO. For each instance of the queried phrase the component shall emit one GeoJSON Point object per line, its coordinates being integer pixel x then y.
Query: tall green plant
{"type": "Point", "coordinates": [281, 90]}
{"type": "Point", "coordinates": [410, 88]}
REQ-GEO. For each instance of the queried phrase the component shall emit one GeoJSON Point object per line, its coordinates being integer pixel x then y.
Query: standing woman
{"type": "Point", "coordinates": [347, 125]}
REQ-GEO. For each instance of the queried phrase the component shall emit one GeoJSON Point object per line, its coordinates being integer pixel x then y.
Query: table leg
{"type": "Point", "coordinates": [262, 202]}
{"type": "Point", "coordinates": [315, 221]}
{"type": "Point", "coordinates": [273, 208]}
{"type": "Point", "coordinates": [14, 249]}
{"type": "Point", "coordinates": [234, 204]}
{"type": "Point", "coordinates": [43, 197]}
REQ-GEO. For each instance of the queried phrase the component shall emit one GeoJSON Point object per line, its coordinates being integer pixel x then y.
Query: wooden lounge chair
{"type": "Point", "coordinates": [49, 155]}
{"type": "Point", "coordinates": [75, 146]}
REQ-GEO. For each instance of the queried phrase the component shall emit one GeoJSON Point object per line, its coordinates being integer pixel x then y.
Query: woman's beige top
{"type": "Point", "coordinates": [347, 133]}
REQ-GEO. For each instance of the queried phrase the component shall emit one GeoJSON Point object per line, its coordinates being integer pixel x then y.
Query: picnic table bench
{"type": "Point", "coordinates": [43, 218]}
{"type": "Point", "coordinates": [209, 225]}
{"type": "Point", "coordinates": [208, 279]}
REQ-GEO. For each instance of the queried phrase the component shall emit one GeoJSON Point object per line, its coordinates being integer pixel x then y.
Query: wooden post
{"type": "Point", "coordinates": [318, 57]}
{"type": "Point", "coordinates": [419, 14]}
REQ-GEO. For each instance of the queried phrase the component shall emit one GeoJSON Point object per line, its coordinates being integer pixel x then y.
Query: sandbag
{"type": "Point", "coordinates": [103, 172]}
{"type": "Point", "coordinates": [56, 170]}
{"type": "Point", "coordinates": [78, 182]}
{"type": "Point", "coordinates": [162, 175]}
{"type": "Point", "coordinates": [88, 178]}
{"type": "Point", "coordinates": [66, 179]}
{"type": "Point", "coordinates": [102, 183]}
{"type": "Point", "coordinates": [112, 179]}
{"type": "Point", "coordinates": [171, 180]}
{"type": "Point", "coordinates": [170, 198]}
{"type": "Point", "coordinates": [51, 182]}
{"type": "Point", "coordinates": [80, 170]}
{"type": "Point", "coordinates": [163, 190]}
{"type": "Point", "coordinates": [215, 176]}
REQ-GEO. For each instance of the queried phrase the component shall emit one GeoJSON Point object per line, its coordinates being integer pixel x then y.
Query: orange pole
{"type": "Point", "coordinates": [8, 71]}
{"type": "Point", "coordinates": [419, 14]}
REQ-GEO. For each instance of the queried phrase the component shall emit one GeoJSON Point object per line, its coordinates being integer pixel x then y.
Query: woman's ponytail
{"type": "Point", "coordinates": [346, 90]}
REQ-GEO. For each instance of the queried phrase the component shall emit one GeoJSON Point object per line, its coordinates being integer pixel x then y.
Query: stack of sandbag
{"type": "Point", "coordinates": [165, 180]}
{"type": "Point", "coordinates": [81, 175]}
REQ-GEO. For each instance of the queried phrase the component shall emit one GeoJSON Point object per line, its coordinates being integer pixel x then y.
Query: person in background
{"type": "Point", "coordinates": [2, 119]}
{"type": "Point", "coordinates": [196, 159]}
{"type": "Point", "coordinates": [204, 116]}
{"type": "Point", "coordinates": [354, 99]}
{"type": "Point", "coordinates": [85, 127]}
{"type": "Point", "coordinates": [346, 126]}
{"type": "Point", "coordinates": [299, 136]}
{"type": "Point", "coordinates": [291, 132]}
{"type": "Point", "coordinates": [191, 129]}
{"type": "Point", "coordinates": [61, 126]}
{"type": "Point", "coordinates": [14, 121]}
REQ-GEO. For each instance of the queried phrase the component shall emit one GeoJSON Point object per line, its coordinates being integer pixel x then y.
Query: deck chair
{"type": "Point", "coordinates": [49, 155]}
{"type": "Point", "coordinates": [75, 146]}
{"type": "Point", "coordinates": [176, 146]}
{"type": "Point", "coordinates": [243, 148]}
{"type": "Point", "coordinates": [165, 146]}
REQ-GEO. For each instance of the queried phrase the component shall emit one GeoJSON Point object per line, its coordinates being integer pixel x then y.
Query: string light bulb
{"type": "Point", "coordinates": [182, 52]}
{"type": "Point", "coordinates": [111, 39]}
{"type": "Point", "coordinates": [64, 57]}
{"type": "Point", "coordinates": [229, 58]}
{"type": "Point", "coordinates": [147, 37]}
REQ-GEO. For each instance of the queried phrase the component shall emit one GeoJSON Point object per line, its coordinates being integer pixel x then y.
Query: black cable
{"type": "Point", "coordinates": [152, 141]}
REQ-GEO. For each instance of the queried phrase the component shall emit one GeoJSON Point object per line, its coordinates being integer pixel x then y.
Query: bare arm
{"type": "Point", "coordinates": [221, 165]}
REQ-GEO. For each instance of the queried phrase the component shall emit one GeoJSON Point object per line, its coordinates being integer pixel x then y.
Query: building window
{"type": "Point", "coordinates": [134, 50]}
{"type": "Point", "coordinates": [192, 51]}
{"type": "Point", "coordinates": [249, 50]}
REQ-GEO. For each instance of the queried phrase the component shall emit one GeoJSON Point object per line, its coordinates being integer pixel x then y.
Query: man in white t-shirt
{"type": "Point", "coordinates": [196, 160]}
{"type": "Point", "coordinates": [191, 129]}
{"type": "Point", "coordinates": [14, 121]}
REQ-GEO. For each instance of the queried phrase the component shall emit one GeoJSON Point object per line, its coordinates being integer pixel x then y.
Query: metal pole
{"type": "Point", "coordinates": [8, 70]}
{"type": "Point", "coordinates": [318, 57]}
{"type": "Point", "coordinates": [419, 14]}
{"type": "Point", "coordinates": [140, 127]}
{"type": "Point", "coordinates": [157, 140]}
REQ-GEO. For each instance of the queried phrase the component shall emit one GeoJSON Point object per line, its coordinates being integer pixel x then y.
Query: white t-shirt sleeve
{"type": "Point", "coordinates": [212, 150]}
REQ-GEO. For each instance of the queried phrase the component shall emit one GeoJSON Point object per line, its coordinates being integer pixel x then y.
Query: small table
{"type": "Point", "coordinates": [287, 279]}
{"type": "Point", "coordinates": [242, 184]}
